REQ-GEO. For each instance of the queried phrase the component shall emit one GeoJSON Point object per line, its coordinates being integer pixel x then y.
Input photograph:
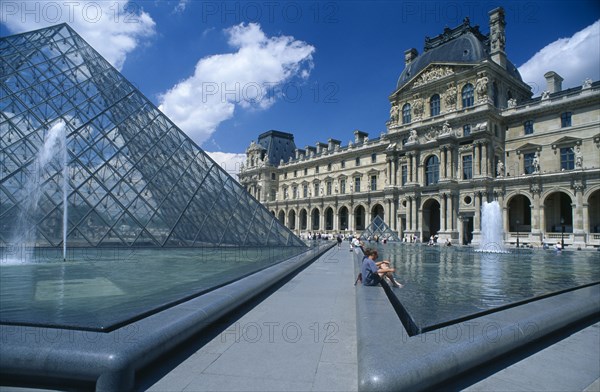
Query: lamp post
{"type": "Point", "coordinates": [562, 233]}
{"type": "Point", "coordinates": [518, 232]}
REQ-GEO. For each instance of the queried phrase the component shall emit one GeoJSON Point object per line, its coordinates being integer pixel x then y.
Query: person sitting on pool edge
{"type": "Point", "coordinates": [373, 273]}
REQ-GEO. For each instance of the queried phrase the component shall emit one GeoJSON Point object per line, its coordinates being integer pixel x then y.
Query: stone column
{"type": "Point", "coordinates": [476, 218]}
{"type": "Point", "coordinates": [578, 217]}
{"type": "Point", "coordinates": [475, 159]}
{"type": "Point", "coordinates": [413, 168]}
{"type": "Point", "coordinates": [484, 159]}
{"type": "Point", "coordinates": [449, 212]}
{"type": "Point", "coordinates": [542, 219]}
{"type": "Point", "coordinates": [443, 161]}
{"type": "Point", "coordinates": [443, 217]}
{"type": "Point", "coordinates": [413, 215]}
{"type": "Point", "coordinates": [395, 170]}
{"type": "Point", "coordinates": [586, 223]}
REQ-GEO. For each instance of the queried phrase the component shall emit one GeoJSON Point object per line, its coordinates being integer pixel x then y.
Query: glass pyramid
{"type": "Point", "coordinates": [379, 228]}
{"type": "Point", "coordinates": [134, 178]}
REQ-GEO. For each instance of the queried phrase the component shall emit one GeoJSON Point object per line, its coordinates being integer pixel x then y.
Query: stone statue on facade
{"type": "Point", "coordinates": [587, 83]}
{"type": "Point", "coordinates": [535, 163]}
{"type": "Point", "coordinates": [450, 97]}
{"type": "Point", "coordinates": [394, 112]}
{"type": "Point", "coordinates": [413, 138]}
{"type": "Point", "coordinates": [417, 106]}
{"type": "Point", "coordinates": [545, 95]}
{"type": "Point", "coordinates": [446, 129]}
{"type": "Point", "coordinates": [578, 158]}
{"type": "Point", "coordinates": [512, 103]}
{"type": "Point", "coordinates": [500, 169]}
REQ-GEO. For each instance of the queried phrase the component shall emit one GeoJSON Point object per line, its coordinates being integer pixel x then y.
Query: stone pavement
{"type": "Point", "coordinates": [302, 337]}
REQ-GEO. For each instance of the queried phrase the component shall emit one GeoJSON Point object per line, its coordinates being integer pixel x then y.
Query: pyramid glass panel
{"type": "Point", "coordinates": [126, 161]}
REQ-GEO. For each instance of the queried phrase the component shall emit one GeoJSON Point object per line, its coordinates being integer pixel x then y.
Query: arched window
{"type": "Point", "coordinates": [467, 95]}
{"type": "Point", "coordinates": [406, 113]}
{"type": "Point", "coordinates": [434, 105]}
{"type": "Point", "coordinates": [432, 170]}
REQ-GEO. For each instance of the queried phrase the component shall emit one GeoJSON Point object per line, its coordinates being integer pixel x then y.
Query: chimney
{"type": "Point", "coordinates": [333, 144]}
{"type": "Point", "coordinates": [359, 136]}
{"type": "Point", "coordinates": [321, 147]}
{"type": "Point", "coordinates": [553, 82]}
{"type": "Point", "coordinates": [410, 55]}
{"type": "Point", "coordinates": [498, 36]}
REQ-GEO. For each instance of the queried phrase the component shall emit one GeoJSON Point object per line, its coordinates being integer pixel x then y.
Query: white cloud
{"type": "Point", "coordinates": [180, 7]}
{"type": "Point", "coordinates": [251, 77]}
{"type": "Point", "coordinates": [114, 28]}
{"type": "Point", "coordinates": [575, 59]}
{"type": "Point", "coordinates": [229, 161]}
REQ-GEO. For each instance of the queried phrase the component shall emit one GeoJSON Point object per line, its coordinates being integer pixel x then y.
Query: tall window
{"type": "Point", "coordinates": [565, 119]}
{"type": "Point", "coordinates": [316, 189]}
{"type": "Point", "coordinates": [273, 194]}
{"type": "Point", "coordinates": [528, 162]}
{"type": "Point", "coordinates": [305, 171]}
{"type": "Point", "coordinates": [329, 167]}
{"type": "Point", "coordinates": [356, 184]}
{"type": "Point", "coordinates": [432, 170]}
{"type": "Point", "coordinates": [567, 158]}
{"type": "Point", "coordinates": [373, 158]}
{"type": "Point", "coordinates": [404, 174]}
{"type": "Point", "coordinates": [295, 173]}
{"type": "Point", "coordinates": [357, 162]}
{"type": "Point", "coordinates": [467, 163]}
{"type": "Point", "coordinates": [285, 194]}
{"type": "Point", "coordinates": [343, 164]}
{"type": "Point", "coordinates": [343, 186]}
{"type": "Point", "coordinates": [295, 192]}
{"type": "Point", "coordinates": [272, 176]}
{"type": "Point", "coordinates": [466, 130]}
{"type": "Point", "coordinates": [305, 190]}
{"type": "Point", "coordinates": [373, 183]}
{"type": "Point", "coordinates": [406, 113]}
{"type": "Point", "coordinates": [467, 95]}
{"type": "Point", "coordinates": [434, 105]}
{"type": "Point", "coordinates": [528, 127]}
{"type": "Point", "coordinates": [317, 169]}
{"type": "Point", "coordinates": [328, 188]}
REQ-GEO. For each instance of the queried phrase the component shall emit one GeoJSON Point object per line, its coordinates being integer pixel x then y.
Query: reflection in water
{"type": "Point", "coordinates": [445, 283]}
{"type": "Point", "coordinates": [98, 288]}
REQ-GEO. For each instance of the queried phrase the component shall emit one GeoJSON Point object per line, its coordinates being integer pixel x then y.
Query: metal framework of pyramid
{"type": "Point", "coordinates": [134, 178]}
{"type": "Point", "coordinates": [380, 229]}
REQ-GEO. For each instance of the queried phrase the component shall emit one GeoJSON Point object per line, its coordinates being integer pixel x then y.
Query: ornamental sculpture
{"type": "Point", "coordinates": [394, 113]}
{"type": "Point", "coordinates": [578, 158]}
{"type": "Point", "coordinates": [481, 87]}
{"type": "Point", "coordinates": [433, 74]}
{"type": "Point", "coordinates": [450, 97]}
{"type": "Point", "coordinates": [417, 106]}
{"type": "Point", "coordinates": [412, 138]}
{"type": "Point", "coordinates": [512, 103]}
{"type": "Point", "coordinates": [500, 168]}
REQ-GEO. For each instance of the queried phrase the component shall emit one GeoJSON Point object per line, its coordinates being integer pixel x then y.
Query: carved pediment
{"type": "Point", "coordinates": [432, 73]}
{"type": "Point", "coordinates": [529, 147]}
{"type": "Point", "coordinates": [567, 140]}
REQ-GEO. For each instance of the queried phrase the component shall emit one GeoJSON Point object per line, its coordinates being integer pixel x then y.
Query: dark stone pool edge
{"type": "Point", "coordinates": [51, 355]}
{"type": "Point", "coordinates": [391, 360]}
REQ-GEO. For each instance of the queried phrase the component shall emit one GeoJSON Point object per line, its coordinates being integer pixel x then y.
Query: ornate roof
{"type": "Point", "coordinates": [463, 44]}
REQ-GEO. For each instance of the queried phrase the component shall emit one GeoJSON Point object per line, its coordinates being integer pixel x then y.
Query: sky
{"type": "Point", "coordinates": [227, 71]}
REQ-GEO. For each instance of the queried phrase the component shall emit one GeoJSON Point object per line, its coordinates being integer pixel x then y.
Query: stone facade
{"type": "Point", "coordinates": [461, 132]}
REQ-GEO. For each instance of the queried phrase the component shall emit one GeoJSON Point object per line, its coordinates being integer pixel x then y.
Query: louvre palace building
{"type": "Point", "coordinates": [464, 129]}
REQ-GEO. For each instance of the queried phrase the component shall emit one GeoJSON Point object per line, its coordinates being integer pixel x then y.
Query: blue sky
{"type": "Point", "coordinates": [228, 71]}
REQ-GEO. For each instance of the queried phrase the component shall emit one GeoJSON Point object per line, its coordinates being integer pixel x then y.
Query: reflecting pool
{"type": "Point", "coordinates": [101, 288]}
{"type": "Point", "coordinates": [444, 284]}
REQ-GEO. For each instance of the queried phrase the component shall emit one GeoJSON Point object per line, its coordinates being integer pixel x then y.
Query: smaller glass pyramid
{"type": "Point", "coordinates": [379, 229]}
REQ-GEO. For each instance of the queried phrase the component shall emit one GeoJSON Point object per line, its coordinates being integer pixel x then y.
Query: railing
{"type": "Point", "coordinates": [558, 236]}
